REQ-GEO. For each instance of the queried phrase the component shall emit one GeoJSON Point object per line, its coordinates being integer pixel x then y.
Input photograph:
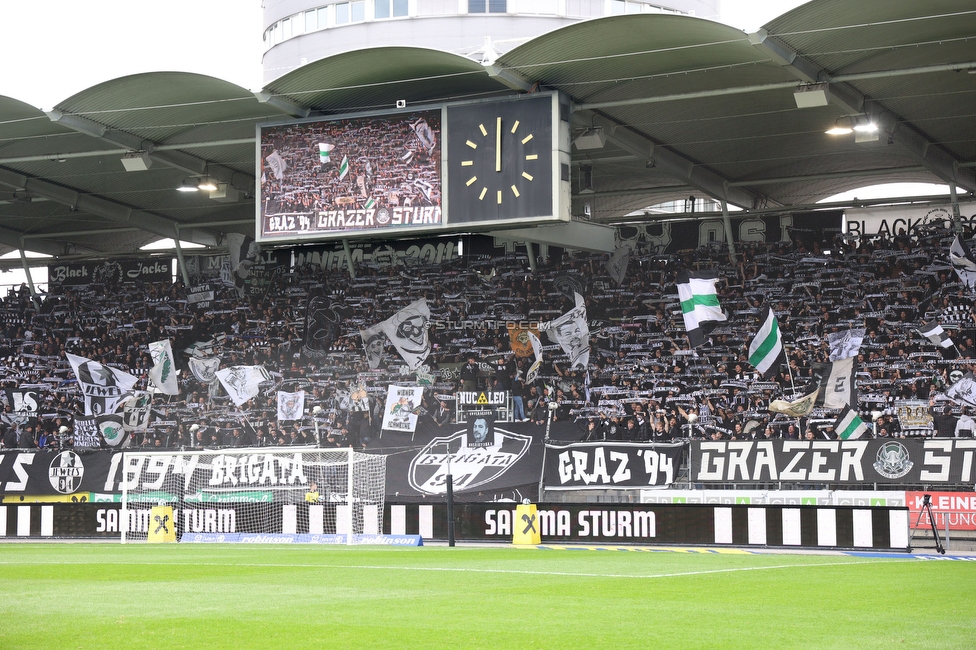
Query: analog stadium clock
{"type": "Point", "coordinates": [500, 160]}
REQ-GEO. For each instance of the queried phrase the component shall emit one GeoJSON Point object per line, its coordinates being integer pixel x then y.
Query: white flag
{"type": "Point", "coordinates": [572, 333]}
{"type": "Point", "coordinates": [136, 411]}
{"type": "Point", "coordinates": [325, 152]}
{"type": "Point", "coordinates": [963, 390]}
{"type": "Point", "coordinates": [163, 373]}
{"type": "Point", "coordinates": [374, 339]}
{"type": "Point", "coordinates": [204, 368]}
{"type": "Point", "coordinates": [241, 382]}
{"type": "Point", "coordinates": [533, 371]}
{"type": "Point", "coordinates": [699, 304]}
{"type": "Point", "coordinates": [617, 264]}
{"type": "Point", "coordinates": [277, 164]}
{"type": "Point", "coordinates": [962, 261]}
{"type": "Point", "coordinates": [291, 406]}
{"type": "Point", "coordinates": [846, 344]}
{"type": "Point", "coordinates": [407, 330]}
{"type": "Point", "coordinates": [103, 387]}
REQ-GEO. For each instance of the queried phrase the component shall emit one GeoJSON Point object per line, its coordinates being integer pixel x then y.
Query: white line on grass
{"type": "Point", "coordinates": [372, 567]}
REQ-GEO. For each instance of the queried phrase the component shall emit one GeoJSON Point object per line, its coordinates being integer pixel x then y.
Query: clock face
{"type": "Point", "coordinates": [500, 160]}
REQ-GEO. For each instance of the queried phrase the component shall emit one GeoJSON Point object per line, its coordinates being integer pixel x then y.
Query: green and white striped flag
{"type": "Point", "coordinates": [767, 348]}
{"type": "Point", "coordinates": [849, 426]}
{"type": "Point", "coordinates": [344, 167]}
{"type": "Point", "coordinates": [325, 152]}
{"type": "Point", "coordinates": [370, 203]}
{"type": "Point", "coordinates": [699, 304]}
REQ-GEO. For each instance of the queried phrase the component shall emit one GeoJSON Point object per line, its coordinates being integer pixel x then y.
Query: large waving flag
{"type": "Point", "coordinates": [407, 331]}
{"type": "Point", "coordinates": [846, 344]}
{"type": "Point", "coordinates": [242, 382]}
{"type": "Point", "coordinates": [617, 264]}
{"type": "Point", "coordinates": [325, 152]}
{"type": "Point", "coordinates": [933, 331]}
{"type": "Point", "coordinates": [163, 373]}
{"type": "Point", "coordinates": [277, 164]}
{"type": "Point", "coordinates": [836, 383]}
{"type": "Point", "coordinates": [767, 348]}
{"type": "Point", "coordinates": [533, 372]}
{"type": "Point", "coordinates": [103, 387]}
{"type": "Point", "coordinates": [699, 304]}
{"type": "Point", "coordinates": [963, 390]}
{"type": "Point", "coordinates": [373, 341]}
{"type": "Point", "coordinates": [798, 408]}
{"type": "Point", "coordinates": [963, 262]}
{"type": "Point", "coordinates": [343, 167]}
{"type": "Point", "coordinates": [849, 426]}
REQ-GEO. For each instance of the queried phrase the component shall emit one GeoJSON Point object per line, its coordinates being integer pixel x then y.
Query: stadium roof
{"type": "Point", "coordinates": [688, 107]}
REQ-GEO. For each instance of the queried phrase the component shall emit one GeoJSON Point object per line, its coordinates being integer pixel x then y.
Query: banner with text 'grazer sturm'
{"type": "Point", "coordinates": [902, 461]}
{"type": "Point", "coordinates": [600, 466]}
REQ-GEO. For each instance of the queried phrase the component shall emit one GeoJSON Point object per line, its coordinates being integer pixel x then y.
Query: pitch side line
{"type": "Point", "coordinates": [374, 567]}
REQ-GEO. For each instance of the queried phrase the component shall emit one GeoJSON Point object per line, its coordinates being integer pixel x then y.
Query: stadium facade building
{"type": "Point", "coordinates": [298, 32]}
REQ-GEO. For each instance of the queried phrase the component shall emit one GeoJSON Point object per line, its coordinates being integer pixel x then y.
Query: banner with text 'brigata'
{"type": "Point", "coordinates": [902, 461]}
{"type": "Point", "coordinates": [601, 466]}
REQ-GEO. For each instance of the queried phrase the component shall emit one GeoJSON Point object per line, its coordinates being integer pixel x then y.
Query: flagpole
{"type": "Point", "coordinates": [789, 369]}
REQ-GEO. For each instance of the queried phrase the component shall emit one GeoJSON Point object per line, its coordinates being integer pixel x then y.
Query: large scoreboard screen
{"type": "Point", "coordinates": [469, 166]}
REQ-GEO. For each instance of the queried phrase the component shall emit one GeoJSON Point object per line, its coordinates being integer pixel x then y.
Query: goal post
{"type": "Point", "coordinates": [253, 494]}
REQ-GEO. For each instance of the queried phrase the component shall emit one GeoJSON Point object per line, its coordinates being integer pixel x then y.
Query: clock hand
{"type": "Point", "coordinates": [498, 144]}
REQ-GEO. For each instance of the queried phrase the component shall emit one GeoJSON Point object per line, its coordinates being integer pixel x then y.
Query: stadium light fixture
{"type": "Point", "coordinates": [136, 161]}
{"type": "Point", "coordinates": [207, 184]}
{"type": "Point", "coordinates": [188, 185]}
{"type": "Point", "coordinates": [842, 126]}
{"type": "Point", "coordinates": [592, 138]}
{"type": "Point", "coordinates": [811, 95]}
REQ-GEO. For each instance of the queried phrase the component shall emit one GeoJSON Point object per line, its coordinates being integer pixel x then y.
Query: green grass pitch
{"type": "Point", "coordinates": [223, 596]}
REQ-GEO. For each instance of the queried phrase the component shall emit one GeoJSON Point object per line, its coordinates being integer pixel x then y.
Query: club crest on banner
{"type": "Point", "coordinates": [893, 460]}
{"type": "Point", "coordinates": [471, 466]}
{"type": "Point", "coordinates": [112, 430]}
{"type": "Point", "coordinates": [66, 472]}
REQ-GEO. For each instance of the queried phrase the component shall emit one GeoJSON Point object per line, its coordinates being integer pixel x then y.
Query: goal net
{"type": "Point", "coordinates": [254, 494]}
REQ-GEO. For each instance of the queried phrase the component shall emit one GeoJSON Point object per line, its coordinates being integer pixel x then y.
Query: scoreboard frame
{"type": "Point", "coordinates": [428, 169]}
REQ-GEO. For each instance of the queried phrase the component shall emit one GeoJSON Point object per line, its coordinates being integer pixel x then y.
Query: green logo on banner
{"type": "Point", "coordinates": [252, 496]}
{"type": "Point", "coordinates": [879, 502]}
{"type": "Point", "coordinates": [746, 500]}
{"type": "Point", "coordinates": [808, 501]}
{"type": "Point", "coordinates": [679, 500]}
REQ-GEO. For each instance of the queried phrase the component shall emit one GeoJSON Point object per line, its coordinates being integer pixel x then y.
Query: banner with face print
{"type": "Point", "coordinates": [241, 382]}
{"type": "Point", "coordinates": [572, 334]}
{"type": "Point", "coordinates": [374, 340]}
{"type": "Point", "coordinates": [102, 386]}
{"type": "Point", "coordinates": [291, 406]}
{"type": "Point", "coordinates": [407, 330]}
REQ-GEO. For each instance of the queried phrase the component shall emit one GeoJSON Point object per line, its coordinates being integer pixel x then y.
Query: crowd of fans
{"type": "Point", "coordinates": [641, 382]}
{"type": "Point", "coordinates": [394, 162]}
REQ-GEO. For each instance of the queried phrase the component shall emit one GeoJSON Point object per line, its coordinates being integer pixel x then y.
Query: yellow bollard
{"type": "Point", "coordinates": [526, 525]}
{"type": "Point", "coordinates": [162, 526]}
